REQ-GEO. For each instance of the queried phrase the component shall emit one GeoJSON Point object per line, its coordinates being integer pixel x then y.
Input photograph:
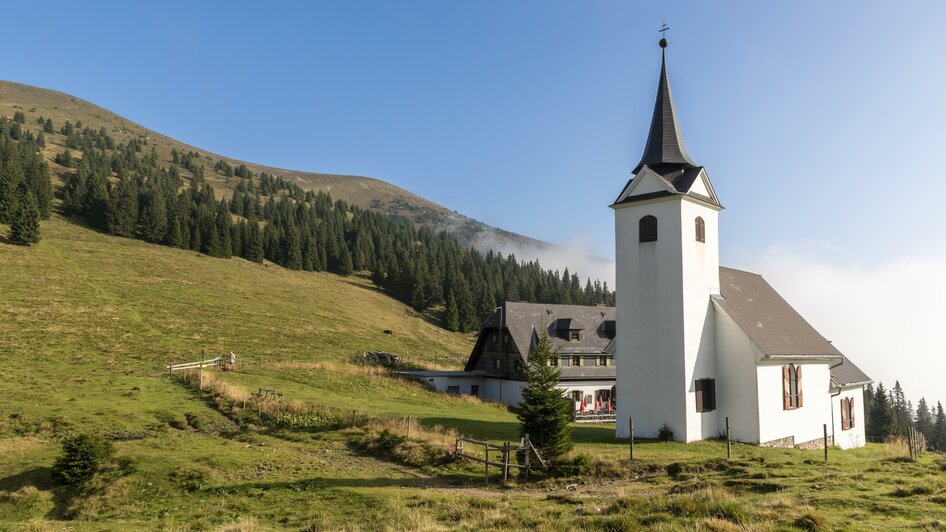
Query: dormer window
{"type": "Point", "coordinates": [647, 228]}
{"type": "Point", "coordinates": [574, 336]}
{"type": "Point", "coordinates": [700, 229]}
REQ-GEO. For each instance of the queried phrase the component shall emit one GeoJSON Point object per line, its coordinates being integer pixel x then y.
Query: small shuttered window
{"type": "Point", "coordinates": [791, 387]}
{"type": "Point", "coordinates": [847, 413]}
{"type": "Point", "coordinates": [705, 395]}
{"type": "Point", "coordinates": [647, 229]}
{"type": "Point", "coordinates": [700, 229]}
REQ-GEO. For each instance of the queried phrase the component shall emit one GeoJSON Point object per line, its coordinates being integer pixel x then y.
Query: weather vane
{"type": "Point", "coordinates": [663, 34]}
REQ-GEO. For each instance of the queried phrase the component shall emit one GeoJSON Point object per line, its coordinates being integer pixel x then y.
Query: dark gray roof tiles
{"type": "Point", "coordinates": [848, 374]}
{"type": "Point", "coordinates": [769, 321]}
{"type": "Point", "coordinates": [664, 141]}
{"type": "Point", "coordinates": [525, 319]}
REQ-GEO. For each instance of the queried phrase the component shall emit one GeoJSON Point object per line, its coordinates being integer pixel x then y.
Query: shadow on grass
{"type": "Point", "coordinates": [430, 316]}
{"type": "Point", "coordinates": [509, 430]}
{"type": "Point", "coordinates": [323, 483]}
{"type": "Point", "coordinates": [41, 479]}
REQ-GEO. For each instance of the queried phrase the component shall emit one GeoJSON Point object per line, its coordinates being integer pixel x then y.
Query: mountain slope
{"type": "Point", "coordinates": [365, 192]}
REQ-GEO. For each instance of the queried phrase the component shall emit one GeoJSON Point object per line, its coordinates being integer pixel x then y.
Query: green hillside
{"type": "Point", "coordinates": [365, 192]}
{"type": "Point", "coordinates": [89, 320]}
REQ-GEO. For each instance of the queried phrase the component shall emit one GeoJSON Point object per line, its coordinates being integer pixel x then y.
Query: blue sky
{"type": "Point", "coordinates": [821, 124]}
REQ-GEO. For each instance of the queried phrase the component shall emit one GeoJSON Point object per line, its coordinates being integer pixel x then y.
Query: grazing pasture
{"type": "Point", "coordinates": [89, 322]}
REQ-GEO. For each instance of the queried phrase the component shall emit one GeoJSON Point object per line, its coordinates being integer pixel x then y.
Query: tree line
{"type": "Point", "coordinates": [26, 192]}
{"type": "Point", "coordinates": [122, 188]}
{"type": "Point", "coordinates": [889, 414]}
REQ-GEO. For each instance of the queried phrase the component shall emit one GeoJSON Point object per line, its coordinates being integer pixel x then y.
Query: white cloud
{"type": "Point", "coordinates": [888, 317]}
{"type": "Point", "coordinates": [575, 255]}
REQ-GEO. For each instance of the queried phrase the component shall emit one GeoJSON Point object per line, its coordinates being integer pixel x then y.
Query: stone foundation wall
{"type": "Point", "coordinates": [817, 443]}
{"type": "Point", "coordinates": [786, 442]}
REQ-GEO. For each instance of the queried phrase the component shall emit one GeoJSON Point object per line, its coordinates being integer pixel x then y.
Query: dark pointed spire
{"type": "Point", "coordinates": [664, 142]}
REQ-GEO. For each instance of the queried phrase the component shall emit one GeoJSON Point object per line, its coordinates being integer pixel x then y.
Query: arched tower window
{"type": "Point", "coordinates": [700, 229]}
{"type": "Point", "coordinates": [648, 229]}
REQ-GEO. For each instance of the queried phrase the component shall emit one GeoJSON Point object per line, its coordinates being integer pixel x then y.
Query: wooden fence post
{"type": "Point", "coordinates": [631, 428]}
{"type": "Point", "coordinates": [506, 462]}
{"type": "Point", "coordinates": [353, 418]}
{"type": "Point", "coordinates": [825, 443]}
{"type": "Point", "coordinates": [486, 463]}
{"type": "Point", "coordinates": [408, 427]}
{"type": "Point", "coordinates": [728, 442]}
{"type": "Point", "coordinates": [528, 452]}
{"type": "Point", "coordinates": [201, 386]}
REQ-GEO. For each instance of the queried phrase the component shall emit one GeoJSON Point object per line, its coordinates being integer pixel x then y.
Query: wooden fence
{"type": "Point", "coordinates": [213, 362]}
{"type": "Point", "coordinates": [505, 451]}
{"type": "Point", "coordinates": [916, 442]}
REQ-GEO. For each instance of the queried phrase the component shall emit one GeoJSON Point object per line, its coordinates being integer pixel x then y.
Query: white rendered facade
{"type": "Point", "coordinates": [666, 331]}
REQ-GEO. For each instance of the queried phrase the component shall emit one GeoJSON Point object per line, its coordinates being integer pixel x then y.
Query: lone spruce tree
{"type": "Point", "coordinates": [544, 413]}
{"type": "Point", "coordinates": [24, 227]}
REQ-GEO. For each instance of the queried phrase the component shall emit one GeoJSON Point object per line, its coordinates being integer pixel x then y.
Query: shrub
{"type": "Point", "coordinates": [811, 521]}
{"type": "Point", "coordinates": [389, 441]}
{"type": "Point", "coordinates": [191, 478]}
{"type": "Point", "coordinates": [82, 456]}
{"type": "Point", "coordinates": [665, 433]}
{"type": "Point", "coordinates": [573, 466]}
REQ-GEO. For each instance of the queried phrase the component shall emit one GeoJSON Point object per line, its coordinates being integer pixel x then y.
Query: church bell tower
{"type": "Point", "coordinates": [667, 271]}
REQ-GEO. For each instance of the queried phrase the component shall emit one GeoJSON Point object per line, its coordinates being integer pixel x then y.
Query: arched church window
{"type": "Point", "coordinates": [647, 228]}
{"type": "Point", "coordinates": [700, 229]}
{"type": "Point", "coordinates": [847, 413]}
{"type": "Point", "coordinates": [791, 387]}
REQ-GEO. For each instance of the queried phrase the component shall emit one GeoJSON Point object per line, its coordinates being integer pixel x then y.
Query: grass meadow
{"type": "Point", "coordinates": [89, 321]}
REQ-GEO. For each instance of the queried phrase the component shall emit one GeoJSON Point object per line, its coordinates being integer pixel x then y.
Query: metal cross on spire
{"type": "Point", "coordinates": [663, 34]}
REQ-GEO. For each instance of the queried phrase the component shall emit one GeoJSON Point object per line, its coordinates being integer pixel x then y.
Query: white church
{"type": "Point", "coordinates": [697, 343]}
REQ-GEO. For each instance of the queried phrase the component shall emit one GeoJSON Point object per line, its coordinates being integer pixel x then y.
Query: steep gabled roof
{"type": "Point", "coordinates": [525, 321]}
{"type": "Point", "coordinates": [676, 181]}
{"type": "Point", "coordinates": [767, 319]}
{"type": "Point", "coordinates": [847, 374]}
{"type": "Point", "coordinates": [664, 141]}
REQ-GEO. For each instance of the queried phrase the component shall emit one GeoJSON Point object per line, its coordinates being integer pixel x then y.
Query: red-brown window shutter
{"type": "Point", "coordinates": [798, 384]}
{"type": "Point", "coordinates": [786, 386]}
{"type": "Point", "coordinates": [844, 419]}
{"type": "Point", "coordinates": [850, 414]}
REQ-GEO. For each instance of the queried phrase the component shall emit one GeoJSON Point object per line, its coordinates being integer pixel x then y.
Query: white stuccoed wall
{"type": "Point", "coordinates": [804, 423]}
{"type": "Point", "coordinates": [854, 437]}
{"type": "Point", "coordinates": [700, 281]}
{"type": "Point", "coordinates": [736, 387]}
{"type": "Point", "coordinates": [665, 333]}
{"type": "Point", "coordinates": [502, 391]}
{"type": "Point", "coordinates": [508, 391]}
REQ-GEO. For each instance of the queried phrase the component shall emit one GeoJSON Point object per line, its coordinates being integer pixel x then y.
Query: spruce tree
{"type": "Point", "coordinates": [122, 209]}
{"type": "Point", "coordinates": [24, 228]}
{"type": "Point", "coordinates": [880, 424]}
{"type": "Point", "coordinates": [293, 248]}
{"type": "Point", "coordinates": [452, 314]}
{"type": "Point", "coordinates": [345, 264]}
{"type": "Point", "coordinates": [924, 419]}
{"type": "Point", "coordinates": [544, 412]}
{"type": "Point", "coordinates": [939, 429]}
{"type": "Point", "coordinates": [153, 220]}
{"type": "Point", "coordinates": [468, 319]}
{"type": "Point", "coordinates": [48, 126]}
{"type": "Point", "coordinates": [901, 412]}
{"type": "Point", "coordinates": [254, 243]}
